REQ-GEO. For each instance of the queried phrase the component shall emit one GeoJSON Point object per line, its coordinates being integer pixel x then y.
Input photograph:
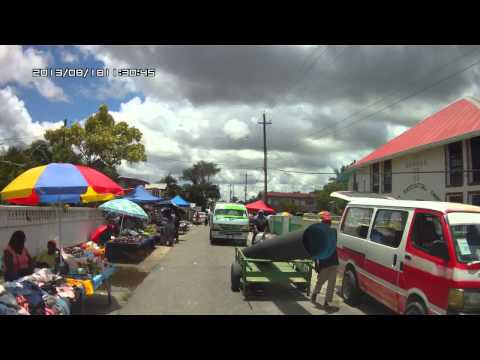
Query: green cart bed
{"type": "Point", "coordinates": [255, 271]}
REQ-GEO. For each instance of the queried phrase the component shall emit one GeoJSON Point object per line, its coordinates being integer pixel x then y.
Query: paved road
{"type": "Point", "coordinates": [194, 279]}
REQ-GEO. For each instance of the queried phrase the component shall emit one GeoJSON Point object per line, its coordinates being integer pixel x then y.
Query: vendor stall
{"type": "Point", "coordinates": [134, 242]}
{"type": "Point", "coordinates": [87, 268]}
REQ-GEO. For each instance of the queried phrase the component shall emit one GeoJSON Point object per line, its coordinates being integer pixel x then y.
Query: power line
{"type": "Point", "coordinates": [409, 96]}
{"type": "Point", "coordinates": [385, 97]}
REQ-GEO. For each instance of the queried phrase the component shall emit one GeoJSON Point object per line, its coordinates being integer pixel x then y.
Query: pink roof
{"type": "Point", "coordinates": [447, 125]}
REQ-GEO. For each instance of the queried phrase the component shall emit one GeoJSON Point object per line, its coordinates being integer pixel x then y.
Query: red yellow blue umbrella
{"type": "Point", "coordinates": [60, 183]}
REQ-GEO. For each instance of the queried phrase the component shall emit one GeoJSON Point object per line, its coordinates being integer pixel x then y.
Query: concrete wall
{"type": "Point", "coordinates": [417, 186]}
{"type": "Point", "coordinates": [40, 224]}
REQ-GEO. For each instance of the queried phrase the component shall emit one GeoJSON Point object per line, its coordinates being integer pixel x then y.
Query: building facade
{"type": "Point", "coordinates": [158, 190]}
{"type": "Point", "coordinates": [437, 159]}
{"type": "Point", "coordinates": [304, 201]}
{"type": "Point", "coordinates": [130, 183]}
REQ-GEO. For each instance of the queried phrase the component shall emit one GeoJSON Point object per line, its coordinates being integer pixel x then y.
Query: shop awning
{"type": "Point", "coordinates": [259, 205]}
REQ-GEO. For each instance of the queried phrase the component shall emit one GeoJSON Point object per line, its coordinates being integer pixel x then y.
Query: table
{"type": "Point", "coordinates": [97, 281]}
{"type": "Point", "coordinates": [117, 252]}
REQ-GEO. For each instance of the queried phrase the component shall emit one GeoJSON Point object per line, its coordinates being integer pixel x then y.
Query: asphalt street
{"type": "Point", "coordinates": [194, 279]}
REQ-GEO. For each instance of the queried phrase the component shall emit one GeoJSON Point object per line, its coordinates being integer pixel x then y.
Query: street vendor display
{"type": "Point", "coordinates": [42, 293]}
{"type": "Point", "coordinates": [130, 245]}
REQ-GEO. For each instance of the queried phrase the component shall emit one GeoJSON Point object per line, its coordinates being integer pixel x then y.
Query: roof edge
{"type": "Point", "coordinates": [419, 148]}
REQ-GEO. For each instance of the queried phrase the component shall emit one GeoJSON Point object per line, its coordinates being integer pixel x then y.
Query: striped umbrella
{"type": "Point", "coordinates": [60, 183]}
{"type": "Point", "coordinates": [124, 207]}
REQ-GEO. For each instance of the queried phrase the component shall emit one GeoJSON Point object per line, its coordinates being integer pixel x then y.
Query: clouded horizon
{"type": "Point", "coordinates": [329, 105]}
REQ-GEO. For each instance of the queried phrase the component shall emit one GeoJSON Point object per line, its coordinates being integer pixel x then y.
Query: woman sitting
{"type": "Point", "coordinates": [17, 262]}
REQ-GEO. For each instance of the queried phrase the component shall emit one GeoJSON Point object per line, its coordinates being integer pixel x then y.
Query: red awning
{"type": "Point", "coordinates": [259, 205]}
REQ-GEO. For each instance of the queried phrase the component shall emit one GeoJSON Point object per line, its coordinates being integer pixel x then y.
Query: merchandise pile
{"type": "Point", "coordinates": [42, 293]}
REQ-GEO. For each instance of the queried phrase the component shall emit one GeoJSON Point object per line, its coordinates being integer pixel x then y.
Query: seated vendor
{"type": "Point", "coordinates": [50, 258]}
{"type": "Point", "coordinates": [17, 262]}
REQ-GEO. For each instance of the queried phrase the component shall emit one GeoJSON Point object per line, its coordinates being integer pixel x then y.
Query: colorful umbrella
{"type": "Point", "coordinates": [60, 183]}
{"type": "Point", "coordinates": [124, 207]}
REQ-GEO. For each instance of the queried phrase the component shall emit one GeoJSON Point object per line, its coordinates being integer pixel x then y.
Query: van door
{"type": "Point", "coordinates": [382, 259]}
{"type": "Point", "coordinates": [423, 269]}
{"type": "Point", "coordinates": [352, 235]}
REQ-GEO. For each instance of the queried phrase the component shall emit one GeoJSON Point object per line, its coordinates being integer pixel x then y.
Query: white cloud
{"type": "Point", "coordinates": [236, 129]}
{"type": "Point", "coordinates": [16, 65]}
{"type": "Point", "coordinates": [16, 124]}
{"type": "Point", "coordinates": [68, 56]}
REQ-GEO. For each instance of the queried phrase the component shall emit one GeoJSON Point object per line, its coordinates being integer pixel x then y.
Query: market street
{"type": "Point", "coordinates": [194, 279]}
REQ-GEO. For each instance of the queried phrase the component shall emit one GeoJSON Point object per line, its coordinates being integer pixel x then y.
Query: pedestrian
{"type": "Point", "coordinates": [17, 262]}
{"type": "Point", "coordinates": [326, 269]}
{"type": "Point", "coordinates": [260, 225]}
{"type": "Point", "coordinates": [207, 215]}
{"type": "Point", "coordinates": [177, 225]}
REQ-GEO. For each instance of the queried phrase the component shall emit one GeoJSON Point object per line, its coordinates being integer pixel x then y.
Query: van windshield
{"type": "Point", "coordinates": [229, 212]}
{"type": "Point", "coordinates": [465, 229]}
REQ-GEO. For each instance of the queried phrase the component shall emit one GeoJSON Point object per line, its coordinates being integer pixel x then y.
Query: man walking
{"type": "Point", "coordinates": [326, 269]}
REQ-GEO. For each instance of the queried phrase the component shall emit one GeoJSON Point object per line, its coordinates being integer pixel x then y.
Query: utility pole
{"type": "Point", "coordinates": [64, 130]}
{"type": "Point", "coordinates": [245, 187]}
{"type": "Point", "coordinates": [265, 123]}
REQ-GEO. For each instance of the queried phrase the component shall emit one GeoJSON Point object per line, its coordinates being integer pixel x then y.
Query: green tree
{"type": "Point", "coordinates": [289, 206]}
{"type": "Point", "coordinates": [200, 189]}
{"type": "Point", "coordinates": [201, 172]}
{"type": "Point", "coordinates": [101, 144]}
{"type": "Point", "coordinates": [13, 162]}
{"type": "Point", "coordinates": [173, 188]}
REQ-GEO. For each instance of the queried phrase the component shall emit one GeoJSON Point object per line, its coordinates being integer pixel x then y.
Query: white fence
{"type": "Point", "coordinates": [40, 224]}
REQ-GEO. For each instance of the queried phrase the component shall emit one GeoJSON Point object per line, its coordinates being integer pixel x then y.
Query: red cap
{"type": "Point", "coordinates": [325, 216]}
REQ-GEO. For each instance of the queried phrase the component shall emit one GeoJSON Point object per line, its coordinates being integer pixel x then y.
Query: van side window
{"type": "Point", "coordinates": [427, 230]}
{"type": "Point", "coordinates": [357, 222]}
{"type": "Point", "coordinates": [388, 227]}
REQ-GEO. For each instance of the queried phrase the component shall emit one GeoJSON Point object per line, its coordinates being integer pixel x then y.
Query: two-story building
{"type": "Point", "coordinates": [304, 201]}
{"type": "Point", "coordinates": [437, 159]}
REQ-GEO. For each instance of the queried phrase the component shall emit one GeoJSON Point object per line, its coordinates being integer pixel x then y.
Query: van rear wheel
{"type": "Point", "coordinates": [351, 293]}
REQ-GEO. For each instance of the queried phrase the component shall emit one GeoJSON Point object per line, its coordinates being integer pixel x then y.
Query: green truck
{"type": "Point", "coordinates": [229, 222]}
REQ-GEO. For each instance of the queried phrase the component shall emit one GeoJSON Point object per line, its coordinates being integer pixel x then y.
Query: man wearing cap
{"type": "Point", "coordinates": [326, 269]}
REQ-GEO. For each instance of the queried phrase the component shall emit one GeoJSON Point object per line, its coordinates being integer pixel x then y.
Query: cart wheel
{"type": "Point", "coordinates": [235, 276]}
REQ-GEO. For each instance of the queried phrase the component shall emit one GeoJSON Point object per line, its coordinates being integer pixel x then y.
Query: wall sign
{"type": "Point", "coordinates": [415, 186]}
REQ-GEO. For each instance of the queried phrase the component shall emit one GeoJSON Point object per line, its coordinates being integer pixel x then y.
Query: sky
{"type": "Point", "coordinates": [328, 104]}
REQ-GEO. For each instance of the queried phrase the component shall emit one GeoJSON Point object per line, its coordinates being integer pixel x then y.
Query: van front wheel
{"type": "Point", "coordinates": [351, 293]}
{"type": "Point", "coordinates": [415, 308]}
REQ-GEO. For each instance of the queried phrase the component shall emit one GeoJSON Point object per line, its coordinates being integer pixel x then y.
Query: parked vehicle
{"type": "Point", "coordinates": [230, 222]}
{"type": "Point", "coordinates": [415, 257]}
{"type": "Point", "coordinates": [199, 218]}
{"type": "Point", "coordinates": [184, 226]}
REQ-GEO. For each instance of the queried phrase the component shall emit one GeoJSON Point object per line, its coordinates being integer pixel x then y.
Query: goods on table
{"type": "Point", "coordinates": [42, 293]}
{"type": "Point", "coordinates": [128, 239]}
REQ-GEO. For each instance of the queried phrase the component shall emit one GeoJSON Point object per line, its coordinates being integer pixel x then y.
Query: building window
{"type": "Point", "coordinates": [387, 177]}
{"type": "Point", "coordinates": [474, 198]}
{"type": "Point", "coordinates": [454, 159]}
{"type": "Point", "coordinates": [474, 160]}
{"type": "Point", "coordinates": [454, 197]}
{"type": "Point", "coordinates": [376, 178]}
{"type": "Point", "coordinates": [388, 227]}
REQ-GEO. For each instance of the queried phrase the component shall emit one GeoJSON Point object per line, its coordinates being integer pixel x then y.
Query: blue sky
{"type": "Point", "coordinates": [83, 99]}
